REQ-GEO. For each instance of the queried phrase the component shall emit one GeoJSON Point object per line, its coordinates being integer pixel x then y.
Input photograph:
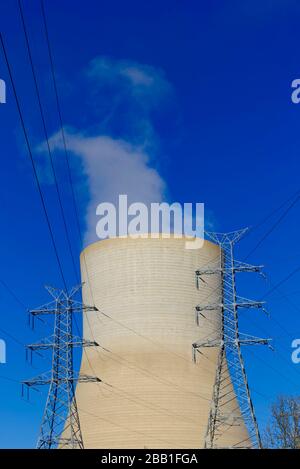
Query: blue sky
{"type": "Point", "coordinates": [195, 96]}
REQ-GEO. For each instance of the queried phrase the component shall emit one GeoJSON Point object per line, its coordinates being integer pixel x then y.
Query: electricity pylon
{"type": "Point", "coordinates": [60, 424]}
{"type": "Point", "coordinates": [231, 379]}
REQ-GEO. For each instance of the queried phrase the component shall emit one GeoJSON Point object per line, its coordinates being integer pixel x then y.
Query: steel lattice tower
{"type": "Point", "coordinates": [60, 424]}
{"type": "Point", "coordinates": [231, 379]}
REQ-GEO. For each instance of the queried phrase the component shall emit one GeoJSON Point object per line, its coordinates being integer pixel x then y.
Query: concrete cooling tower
{"type": "Point", "coordinates": [153, 394]}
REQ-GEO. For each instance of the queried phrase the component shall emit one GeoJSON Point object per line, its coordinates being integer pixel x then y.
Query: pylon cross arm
{"type": "Point", "coordinates": [208, 343]}
{"type": "Point", "coordinates": [236, 268]}
{"type": "Point", "coordinates": [43, 380]}
{"type": "Point", "coordinates": [41, 311]}
{"type": "Point", "coordinates": [255, 342]}
{"type": "Point", "coordinates": [211, 307]}
{"type": "Point", "coordinates": [74, 342]}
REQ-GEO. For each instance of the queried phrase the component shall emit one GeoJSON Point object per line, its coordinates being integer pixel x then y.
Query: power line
{"type": "Point", "coordinates": [294, 199]}
{"type": "Point", "coordinates": [46, 135]}
{"type": "Point", "coordinates": [279, 355]}
{"type": "Point", "coordinates": [142, 336]}
{"type": "Point", "coordinates": [32, 161]}
{"type": "Point", "coordinates": [164, 381]}
{"type": "Point", "coordinates": [277, 209]}
{"type": "Point", "coordinates": [17, 299]}
{"type": "Point", "coordinates": [156, 343]}
{"type": "Point", "coordinates": [12, 337]}
{"type": "Point", "coordinates": [281, 282]}
{"type": "Point", "coordinates": [146, 404]}
{"type": "Point", "coordinates": [273, 227]}
{"type": "Point", "coordinates": [73, 192]}
{"type": "Point", "coordinates": [282, 357]}
{"type": "Point", "coordinates": [155, 377]}
{"type": "Point", "coordinates": [274, 369]}
{"type": "Point", "coordinates": [64, 140]}
{"type": "Point", "coordinates": [7, 378]}
{"type": "Point", "coordinates": [276, 351]}
{"type": "Point", "coordinates": [12, 293]}
{"type": "Point", "coordinates": [74, 199]}
{"type": "Point", "coordinates": [120, 426]}
{"type": "Point", "coordinates": [143, 370]}
{"type": "Point", "coordinates": [58, 106]}
{"type": "Point", "coordinates": [212, 291]}
{"type": "Point", "coordinates": [287, 333]}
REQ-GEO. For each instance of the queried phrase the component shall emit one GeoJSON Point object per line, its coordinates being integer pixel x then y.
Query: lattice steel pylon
{"type": "Point", "coordinates": [60, 424]}
{"type": "Point", "coordinates": [231, 380]}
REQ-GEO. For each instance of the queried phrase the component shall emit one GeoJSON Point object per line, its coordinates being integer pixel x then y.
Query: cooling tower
{"type": "Point", "coordinates": [152, 394]}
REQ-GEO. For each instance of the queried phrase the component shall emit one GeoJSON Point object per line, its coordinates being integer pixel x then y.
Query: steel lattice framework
{"type": "Point", "coordinates": [60, 424]}
{"type": "Point", "coordinates": [231, 379]}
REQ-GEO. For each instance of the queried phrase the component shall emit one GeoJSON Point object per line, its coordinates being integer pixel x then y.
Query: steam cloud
{"type": "Point", "coordinates": [116, 165]}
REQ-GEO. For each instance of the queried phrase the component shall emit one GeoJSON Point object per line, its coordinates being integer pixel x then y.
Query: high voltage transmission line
{"type": "Point", "coordinates": [66, 154]}
{"type": "Point", "coordinates": [281, 218]}
{"type": "Point", "coordinates": [48, 146]}
{"type": "Point", "coordinates": [58, 193]}
{"type": "Point", "coordinates": [62, 381]}
{"type": "Point", "coordinates": [33, 165]}
{"type": "Point", "coordinates": [289, 201]}
{"type": "Point", "coordinates": [64, 139]}
{"type": "Point", "coordinates": [79, 443]}
{"type": "Point", "coordinates": [161, 345]}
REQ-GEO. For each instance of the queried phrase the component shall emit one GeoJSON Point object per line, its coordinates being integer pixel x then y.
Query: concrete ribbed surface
{"type": "Point", "coordinates": [155, 396]}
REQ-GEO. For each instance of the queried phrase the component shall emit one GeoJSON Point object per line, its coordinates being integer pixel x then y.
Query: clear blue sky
{"type": "Point", "coordinates": [227, 135]}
